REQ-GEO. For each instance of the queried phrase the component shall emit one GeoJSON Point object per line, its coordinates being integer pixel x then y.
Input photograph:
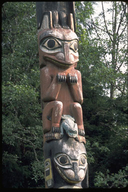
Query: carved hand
{"type": "Point", "coordinates": [61, 77]}
{"type": "Point", "coordinates": [72, 78]}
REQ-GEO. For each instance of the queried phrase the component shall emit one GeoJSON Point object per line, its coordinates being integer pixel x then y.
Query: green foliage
{"type": "Point", "coordinates": [21, 108]}
{"type": "Point", "coordinates": [105, 118]}
{"type": "Point", "coordinates": [110, 33]}
{"type": "Point", "coordinates": [38, 171]}
{"type": "Point", "coordinates": [107, 180]}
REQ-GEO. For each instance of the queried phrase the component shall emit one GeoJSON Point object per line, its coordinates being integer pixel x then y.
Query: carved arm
{"type": "Point", "coordinates": [75, 86]}
{"type": "Point", "coordinates": [49, 86]}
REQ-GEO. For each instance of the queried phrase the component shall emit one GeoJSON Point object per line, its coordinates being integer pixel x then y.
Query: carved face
{"type": "Point", "coordinates": [70, 164]}
{"type": "Point", "coordinates": [59, 46]}
{"type": "Point", "coordinates": [71, 170]}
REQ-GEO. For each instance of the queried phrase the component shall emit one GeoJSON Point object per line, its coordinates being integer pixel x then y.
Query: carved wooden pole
{"type": "Point", "coordinates": [61, 96]}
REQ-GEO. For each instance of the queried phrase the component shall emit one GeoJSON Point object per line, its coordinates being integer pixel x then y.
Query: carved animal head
{"type": "Point", "coordinates": [58, 43]}
{"type": "Point", "coordinates": [72, 170]}
{"type": "Point", "coordinates": [69, 159]}
{"type": "Point", "coordinates": [59, 46]}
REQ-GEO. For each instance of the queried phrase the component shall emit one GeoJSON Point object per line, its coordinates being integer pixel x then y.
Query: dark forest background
{"type": "Point", "coordinates": [105, 93]}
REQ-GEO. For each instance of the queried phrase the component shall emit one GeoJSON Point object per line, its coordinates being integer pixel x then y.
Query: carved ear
{"type": "Point", "coordinates": [71, 22]}
{"type": "Point", "coordinates": [55, 19]}
{"type": "Point", "coordinates": [63, 20]}
{"type": "Point", "coordinates": [47, 20]}
{"type": "Point", "coordinates": [52, 19]}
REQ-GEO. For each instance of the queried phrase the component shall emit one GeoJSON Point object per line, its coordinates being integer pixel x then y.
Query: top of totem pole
{"type": "Point", "coordinates": [55, 14]}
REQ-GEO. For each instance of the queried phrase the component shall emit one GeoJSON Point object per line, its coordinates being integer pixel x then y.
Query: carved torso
{"type": "Point", "coordinates": [64, 91]}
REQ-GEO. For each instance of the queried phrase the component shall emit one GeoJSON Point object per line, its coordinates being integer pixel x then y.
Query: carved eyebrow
{"type": "Point", "coordinates": [49, 37]}
{"type": "Point", "coordinates": [54, 37]}
{"type": "Point", "coordinates": [72, 159]}
{"type": "Point", "coordinates": [67, 40]}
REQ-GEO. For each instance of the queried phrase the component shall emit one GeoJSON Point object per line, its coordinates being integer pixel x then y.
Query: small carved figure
{"type": "Point", "coordinates": [69, 126]}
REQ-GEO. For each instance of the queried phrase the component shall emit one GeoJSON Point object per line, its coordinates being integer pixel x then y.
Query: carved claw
{"type": "Point", "coordinates": [73, 79]}
{"type": "Point", "coordinates": [61, 78]}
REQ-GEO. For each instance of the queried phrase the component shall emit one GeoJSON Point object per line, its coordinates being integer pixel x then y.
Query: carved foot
{"type": "Point", "coordinates": [55, 130]}
{"type": "Point", "coordinates": [53, 134]}
{"type": "Point", "coordinates": [81, 135]}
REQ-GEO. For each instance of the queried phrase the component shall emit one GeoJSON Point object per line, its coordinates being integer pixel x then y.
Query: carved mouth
{"type": "Point", "coordinates": [72, 131]}
{"type": "Point", "coordinates": [58, 63]}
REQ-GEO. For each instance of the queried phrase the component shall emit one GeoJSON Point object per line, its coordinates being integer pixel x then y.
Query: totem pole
{"type": "Point", "coordinates": [61, 96]}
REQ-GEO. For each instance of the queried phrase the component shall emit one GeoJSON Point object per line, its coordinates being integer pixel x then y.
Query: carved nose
{"type": "Point", "coordinates": [76, 169]}
{"type": "Point", "coordinates": [66, 52]}
{"type": "Point", "coordinates": [65, 55]}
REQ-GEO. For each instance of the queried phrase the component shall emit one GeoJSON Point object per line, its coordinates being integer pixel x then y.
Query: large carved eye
{"type": "Point", "coordinates": [74, 46]}
{"type": "Point", "coordinates": [63, 160]}
{"type": "Point", "coordinates": [83, 161]}
{"type": "Point", "coordinates": [50, 43]}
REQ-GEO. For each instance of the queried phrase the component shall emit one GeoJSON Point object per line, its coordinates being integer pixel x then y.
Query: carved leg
{"type": "Point", "coordinates": [77, 113]}
{"type": "Point", "coordinates": [52, 115]}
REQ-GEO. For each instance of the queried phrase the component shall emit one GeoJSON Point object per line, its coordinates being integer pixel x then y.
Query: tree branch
{"type": "Point", "coordinates": [100, 28]}
{"type": "Point", "coordinates": [105, 22]}
{"type": "Point", "coordinates": [25, 140]}
{"type": "Point", "coordinates": [122, 31]}
{"type": "Point", "coordinates": [121, 63]}
{"type": "Point", "coordinates": [123, 176]}
{"type": "Point", "coordinates": [121, 19]}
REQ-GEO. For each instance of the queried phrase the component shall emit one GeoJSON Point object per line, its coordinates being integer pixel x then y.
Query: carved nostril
{"type": "Point", "coordinates": [81, 174]}
{"type": "Point", "coordinates": [66, 57]}
{"type": "Point", "coordinates": [60, 56]}
{"type": "Point", "coordinates": [71, 58]}
{"type": "Point", "coordinates": [69, 173]}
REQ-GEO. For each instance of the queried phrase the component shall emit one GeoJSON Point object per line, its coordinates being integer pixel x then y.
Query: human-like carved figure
{"type": "Point", "coordinates": [61, 85]}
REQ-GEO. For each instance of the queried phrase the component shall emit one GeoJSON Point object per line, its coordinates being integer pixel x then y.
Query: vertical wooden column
{"type": "Point", "coordinates": [61, 96]}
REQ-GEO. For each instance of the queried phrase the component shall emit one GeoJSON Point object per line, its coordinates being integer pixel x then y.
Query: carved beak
{"type": "Point", "coordinates": [68, 57]}
{"type": "Point", "coordinates": [66, 52]}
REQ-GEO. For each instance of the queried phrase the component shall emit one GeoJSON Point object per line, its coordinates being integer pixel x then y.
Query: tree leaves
{"type": "Point", "coordinates": [112, 180]}
{"type": "Point", "coordinates": [21, 120]}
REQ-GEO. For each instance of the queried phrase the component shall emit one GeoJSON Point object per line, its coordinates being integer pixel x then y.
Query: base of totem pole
{"type": "Point", "coordinates": [65, 163]}
{"type": "Point", "coordinates": [70, 187]}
